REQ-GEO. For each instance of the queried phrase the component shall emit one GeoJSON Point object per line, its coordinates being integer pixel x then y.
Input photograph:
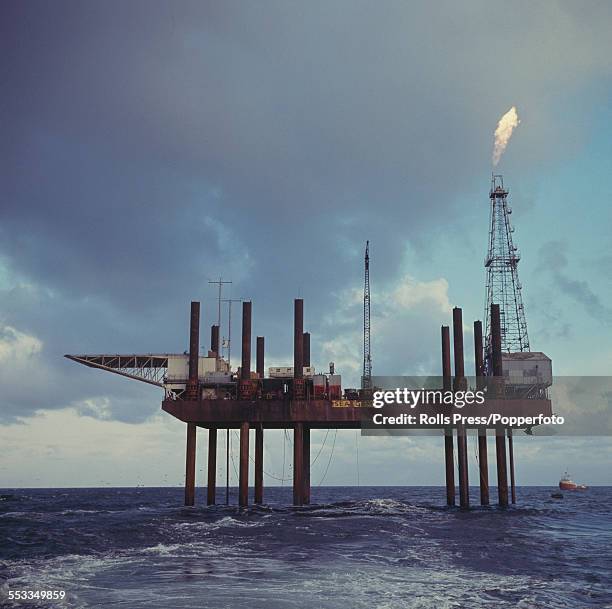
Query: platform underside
{"type": "Point", "coordinates": [324, 414]}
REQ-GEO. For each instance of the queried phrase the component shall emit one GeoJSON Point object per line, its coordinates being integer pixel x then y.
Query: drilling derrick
{"type": "Point", "coordinates": [366, 380]}
{"type": "Point", "coordinates": [502, 286]}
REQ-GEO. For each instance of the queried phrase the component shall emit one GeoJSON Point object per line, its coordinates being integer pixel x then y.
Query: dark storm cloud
{"type": "Point", "coordinates": [150, 146]}
{"type": "Point", "coordinates": [554, 260]}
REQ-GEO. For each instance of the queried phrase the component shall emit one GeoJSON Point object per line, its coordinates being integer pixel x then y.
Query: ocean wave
{"type": "Point", "coordinates": [50, 514]}
{"type": "Point", "coordinates": [14, 514]}
{"type": "Point", "coordinates": [372, 552]}
{"type": "Point", "coordinates": [367, 507]}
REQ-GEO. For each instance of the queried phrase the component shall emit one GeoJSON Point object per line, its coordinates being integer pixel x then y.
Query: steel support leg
{"type": "Point", "coordinates": [298, 464]}
{"type": "Point", "coordinates": [483, 466]}
{"type": "Point", "coordinates": [449, 459]}
{"type": "Point", "coordinates": [212, 467]}
{"type": "Point", "coordinates": [190, 461]}
{"type": "Point", "coordinates": [462, 458]}
{"type": "Point", "coordinates": [243, 482]}
{"type": "Point", "coordinates": [502, 473]}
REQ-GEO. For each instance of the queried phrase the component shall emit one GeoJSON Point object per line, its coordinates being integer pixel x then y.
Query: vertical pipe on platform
{"type": "Point", "coordinates": [192, 394]}
{"type": "Point", "coordinates": [243, 474]}
{"type": "Point", "coordinates": [460, 385]}
{"type": "Point", "coordinates": [458, 349]}
{"type": "Point", "coordinates": [298, 339]}
{"type": "Point", "coordinates": [190, 463]}
{"type": "Point", "coordinates": [298, 349]}
{"type": "Point", "coordinates": [245, 370]}
{"type": "Point", "coordinates": [500, 437]}
{"type": "Point", "coordinates": [449, 457]}
{"type": "Point", "coordinates": [259, 356]}
{"type": "Point", "coordinates": [483, 460]}
{"type": "Point", "coordinates": [511, 454]}
{"type": "Point", "coordinates": [194, 352]}
{"type": "Point", "coordinates": [214, 340]}
{"type": "Point", "coordinates": [298, 464]}
{"type": "Point", "coordinates": [306, 465]}
{"type": "Point", "coordinates": [306, 350]}
{"type": "Point", "coordinates": [259, 450]}
{"type": "Point", "coordinates": [211, 489]}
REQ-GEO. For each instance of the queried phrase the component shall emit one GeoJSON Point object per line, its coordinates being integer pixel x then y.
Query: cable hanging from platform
{"type": "Point", "coordinates": [273, 476]}
{"type": "Point", "coordinates": [331, 454]}
{"type": "Point", "coordinates": [233, 463]}
{"type": "Point", "coordinates": [282, 477]}
{"type": "Point", "coordinates": [284, 447]}
{"type": "Point", "coordinates": [321, 448]}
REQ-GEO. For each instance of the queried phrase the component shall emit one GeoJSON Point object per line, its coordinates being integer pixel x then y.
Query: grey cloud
{"type": "Point", "coordinates": [150, 146]}
{"type": "Point", "coordinates": [554, 260]}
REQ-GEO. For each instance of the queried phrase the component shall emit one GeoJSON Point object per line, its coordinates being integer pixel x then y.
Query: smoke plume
{"type": "Point", "coordinates": [503, 132]}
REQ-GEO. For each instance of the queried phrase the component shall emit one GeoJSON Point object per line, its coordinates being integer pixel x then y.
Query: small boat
{"type": "Point", "coordinates": [567, 484]}
{"type": "Point", "coordinates": [557, 495]}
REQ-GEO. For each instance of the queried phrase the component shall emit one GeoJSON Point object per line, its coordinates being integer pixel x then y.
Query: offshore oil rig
{"type": "Point", "coordinates": [204, 392]}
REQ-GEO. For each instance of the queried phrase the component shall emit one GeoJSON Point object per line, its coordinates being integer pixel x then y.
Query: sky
{"type": "Point", "coordinates": [149, 147]}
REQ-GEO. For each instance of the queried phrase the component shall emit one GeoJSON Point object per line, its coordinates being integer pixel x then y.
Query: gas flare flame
{"type": "Point", "coordinates": [503, 133]}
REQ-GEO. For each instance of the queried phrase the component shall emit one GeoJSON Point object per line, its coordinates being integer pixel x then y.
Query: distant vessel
{"type": "Point", "coordinates": [567, 484]}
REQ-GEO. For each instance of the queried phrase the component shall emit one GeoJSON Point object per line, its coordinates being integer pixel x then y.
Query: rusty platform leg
{"type": "Point", "coordinates": [306, 465]}
{"type": "Point", "coordinates": [298, 464]}
{"type": "Point", "coordinates": [449, 460]}
{"type": "Point", "coordinates": [227, 464]}
{"type": "Point", "coordinates": [306, 349]}
{"type": "Point", "coordinates": [190, 462]}
{"type": "Point", "coordinates": [192, 388]}
{"type": "Point", "coordinates": [243, 482]}
{"type": "Point", "coordinates": [211, 489]}
{"type": "Point", "coordinates": [498, 388]}
{"type": "Point", "coordinates": [462, 458]}
{"type": "Point", "coordinates": [298, 349]}
{"type": "Point", "coordinates": [502, 473]}
{"type": "Point", "coordinates": [245, 390]}
{"type": "Point", "coordinates": [483, 466]}
{"type": "Point", "coordinates": [259, 446]}
{"type": "Point", "coordinates": [511, 455]}
{"type": "Point", "coordinates": [483, 460]}
{"type": "Point", "coordinates": [449, 457]}
{"type": "Point", "coordinates": [259, 356]}
{"type": "Point", "coordinates": [245, 368]}
{"type": "Point", "coordinates": [214, 340]}
{"type": "Point", "coordinates": [461, 385]}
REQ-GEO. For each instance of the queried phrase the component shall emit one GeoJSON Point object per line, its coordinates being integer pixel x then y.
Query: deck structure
{"type": "Point", "coordinates": [245, 402]}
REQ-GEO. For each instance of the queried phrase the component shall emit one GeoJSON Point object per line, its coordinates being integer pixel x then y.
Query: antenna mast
{"type": "Point", "coordinates": [228, 343]}
{"type": "Point", "coordinates": [366, 380]}
{"type": "Point", "coordinates": [220, 283]}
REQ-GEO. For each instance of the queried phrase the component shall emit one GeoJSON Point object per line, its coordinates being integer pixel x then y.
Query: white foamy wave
{"type": "Point", "coordinates": [225, 522]}
{"type": "Point", "coordinates": [391, 505]}
{"type": "Point", "coordinates": [164, 550]}
{"type": "Point", "coordinates": [15, 514]}
{"type": "Point", "coordinates": [72, 573]}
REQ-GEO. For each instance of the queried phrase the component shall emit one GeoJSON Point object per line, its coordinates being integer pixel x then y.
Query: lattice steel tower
{"type": "Point", "coordinates": [503, 286]}
{"type": "Point", "coordinates": [366, 380]}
